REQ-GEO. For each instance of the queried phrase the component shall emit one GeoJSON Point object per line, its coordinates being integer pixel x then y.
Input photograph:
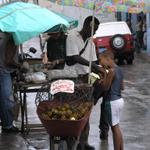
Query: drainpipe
{"type": "Point", "coordinates": [148, 32]}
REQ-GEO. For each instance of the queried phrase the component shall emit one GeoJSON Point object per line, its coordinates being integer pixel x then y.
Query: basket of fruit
{"type": "Point", "coordinates": [64, 119]}
{"type": "Point", "coordinates": [64, 114]}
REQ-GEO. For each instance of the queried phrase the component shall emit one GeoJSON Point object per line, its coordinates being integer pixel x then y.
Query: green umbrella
{"type": "Point", "coordinates": [27, 20]}
{"type": "Point", "coordinates": [73, 23]}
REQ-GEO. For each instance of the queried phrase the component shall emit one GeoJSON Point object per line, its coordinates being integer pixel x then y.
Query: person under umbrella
{"type": "Point", "coordinates": [8, 64]}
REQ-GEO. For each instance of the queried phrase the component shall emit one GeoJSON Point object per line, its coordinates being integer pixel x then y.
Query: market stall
{"type": "Point", "coordinates": [64, 108]}
{"type": "Point", "coordinates": [25, 83]}
{"type": "Point", "coordinates": [21, 21]}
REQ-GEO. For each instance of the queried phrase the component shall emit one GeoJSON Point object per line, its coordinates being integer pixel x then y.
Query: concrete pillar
{"type": "Point", "coordinates": [148, 32]}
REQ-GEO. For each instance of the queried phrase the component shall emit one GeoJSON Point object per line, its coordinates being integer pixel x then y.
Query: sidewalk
{"type": "Point", "coordinates": [12, 142]}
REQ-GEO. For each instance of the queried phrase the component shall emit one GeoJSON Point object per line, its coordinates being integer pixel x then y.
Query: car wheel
{"type": "Point", "coordinates": [130, 59]}
{"type": "Point", "coordinates": [120, 62]}
{"type": "Point", "coordinates": [118, 42]}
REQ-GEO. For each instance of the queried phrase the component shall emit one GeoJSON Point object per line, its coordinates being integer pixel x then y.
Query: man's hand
{"type": "Point", "coordinates": [24, 67]}
{"type": "Point", "coordinates": [49, 65]}
{"type": "Point", "coordinates": [97, 68]}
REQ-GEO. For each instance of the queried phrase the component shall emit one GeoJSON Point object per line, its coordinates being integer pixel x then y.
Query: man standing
{"type": "Point", "coordinates": [55, 50]}
{"type": "Point", "coordinates": [8, 54]}
{"type": "Point", "coordinates": [76, 42]}
{"type": "Point", "coordinates": [139, 34]}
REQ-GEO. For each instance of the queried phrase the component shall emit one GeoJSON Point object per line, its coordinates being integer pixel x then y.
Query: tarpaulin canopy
{"type": "Point", "coordinates": [27, 20]}
{"type": "Point", "coordinates": [130, 6]}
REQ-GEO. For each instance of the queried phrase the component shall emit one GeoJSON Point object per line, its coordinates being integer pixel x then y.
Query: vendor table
{"type": "Point", "coordinates": [22, 89]}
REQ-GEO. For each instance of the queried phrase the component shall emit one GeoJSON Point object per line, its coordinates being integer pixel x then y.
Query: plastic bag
{"type": "Point", "coordinates": [67, 72]}
{"type": "Point", "coordinates": [35, 77]}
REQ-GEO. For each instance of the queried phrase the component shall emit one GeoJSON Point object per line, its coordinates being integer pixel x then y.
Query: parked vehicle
{"type": "Point", "coordinates": [116, 37]}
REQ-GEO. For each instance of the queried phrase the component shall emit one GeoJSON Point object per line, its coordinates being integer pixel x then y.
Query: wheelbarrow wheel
{"type": "Point", "coordinates": [51, 142]}
{"type": "Point", "coordinates": [57, 144]}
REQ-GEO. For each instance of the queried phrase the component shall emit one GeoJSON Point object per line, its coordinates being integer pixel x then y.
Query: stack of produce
{"type": "Point", "coordinates": [67, 111]}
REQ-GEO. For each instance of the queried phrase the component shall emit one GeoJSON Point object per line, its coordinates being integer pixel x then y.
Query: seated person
{"type": "Point", "coordinates": [55, 50]}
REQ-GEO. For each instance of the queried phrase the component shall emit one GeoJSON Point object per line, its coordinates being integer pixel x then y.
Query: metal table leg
{"type": "Point", "coordinates": [22, 112]}
{"type": "Point", "coordinates": [25, 111]}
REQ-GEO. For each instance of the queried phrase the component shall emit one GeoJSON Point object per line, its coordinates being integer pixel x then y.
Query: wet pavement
{"type": "Point", "coordinates": [135, 122]}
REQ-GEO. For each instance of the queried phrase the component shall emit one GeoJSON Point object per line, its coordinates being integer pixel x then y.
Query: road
{"type": "Point", "coordinates": [134, 123]}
